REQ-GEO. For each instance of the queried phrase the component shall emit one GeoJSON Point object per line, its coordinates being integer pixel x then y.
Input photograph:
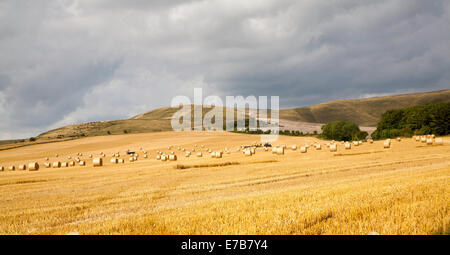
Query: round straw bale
{"type": "Point", "coordinates": [248, 153]}
{"type": "Point", "coordinates": [164, 158]}
{"type": "Point", "coordinates": [22, 167]}
{"type": "Point", "coordinates": [318, 146]}
{"type": "Point", "coordinates": [90, 155]}
{"type": "Point", "coordinates": [399, 139]}
{"type": "Point", "coordinates": [82, 163]}
{"type": "Point", "coordinates": [11, 168]}
{"type": "Point", "coordinates": [64, 164]}
{"type": "Point", "coordinates": [33, 166]}
{"type": "Point", "coordinates": [355, 143]}
{"type": "Point", "coordinates": [294, 147]}
{"type": "Point", "coordinates": [71, 163]}
{"type": "Point", "coordinates": [46, 159]}
{"type": "Point", "coordinates": [97, 162]}
{"type": "Point", "coordinates": [114, 160]}
{"type": "Point", "coordinates": [2, 168]}
{"type": "Point", "coordinates": [47, 165]}
{"type": "Point", "coordinates": [199, 154]}
{"type": "Point", "coordinates": [333, 147]}
{"type": "Point", "coordinates": [158, 157]}
{"type": "Point", "coordinates": [120, 161]}
{"type": "Point", "coordinates": [173, 157]}
{"type": "Point", "coordinates": [439, 141]}
{"type": "Point", "coordinates": [387, 144]}
{"type": "Point", "coordinates": [69, 157]}
{"type": "Point", "coordinates": [56, 164]}
{"type": "Point", "coordinates": [218, 154]}
{"type": "Point", "coordinates": [274, 150]}
{"type": "Point", "coordinates": [429, 141]}
{"type": "Point", "coordinates": [280, 151]}
{"type": "Point", "coordinates": [423, 139]}
{"type": "Point", "coordinates": [303, 149]}
{"type": "Point", "coordinates": [131, 159]}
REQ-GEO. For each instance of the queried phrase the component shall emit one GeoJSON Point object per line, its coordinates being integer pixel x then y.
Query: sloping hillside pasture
{"type": "Point", "coordinates": [401, 190]}
{"type": "Point", "coordinates": [365, 112]}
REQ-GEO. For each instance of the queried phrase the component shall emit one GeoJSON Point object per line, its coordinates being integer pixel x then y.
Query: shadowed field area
{"type": "Point", "coordinates": [401, 190]}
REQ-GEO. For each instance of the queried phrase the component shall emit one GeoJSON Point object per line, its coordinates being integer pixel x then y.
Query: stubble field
{"type": "Point", "coordinates": [401, 190]}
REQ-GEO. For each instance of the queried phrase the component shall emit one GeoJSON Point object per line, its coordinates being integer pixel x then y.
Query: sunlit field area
{"type": "Point", "coordinates": [403, 189]}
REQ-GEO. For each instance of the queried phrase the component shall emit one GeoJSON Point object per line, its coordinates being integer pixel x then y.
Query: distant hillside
{"type": "Point", "coordinates": [153, 121]}
{"type": "Point", "coordinates": [364, 112]}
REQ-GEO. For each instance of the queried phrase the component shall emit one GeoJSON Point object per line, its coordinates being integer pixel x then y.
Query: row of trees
{"type": "Point", "coordinates": [416, 120]}
{"type": "Point", "coordinates": [281, 132]}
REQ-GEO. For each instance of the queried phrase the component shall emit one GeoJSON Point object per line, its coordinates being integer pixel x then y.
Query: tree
{"type": "Point", "coordinates": [342, 131]}
{"type": "Point", "coordinates": [418, 120]}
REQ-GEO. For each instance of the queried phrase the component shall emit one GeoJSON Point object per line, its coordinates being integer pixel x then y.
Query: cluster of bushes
{"type": "Point", "coordinates": [342, 131]}
{"type": "Point", "coordinates": [416, 120]}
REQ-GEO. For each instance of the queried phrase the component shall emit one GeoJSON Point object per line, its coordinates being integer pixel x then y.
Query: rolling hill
{"type": "Point", "coordinates": [364, 112]}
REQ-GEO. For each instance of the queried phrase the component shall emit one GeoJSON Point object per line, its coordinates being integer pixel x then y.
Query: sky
{"type": "Point", "coordinates": [67, 61]}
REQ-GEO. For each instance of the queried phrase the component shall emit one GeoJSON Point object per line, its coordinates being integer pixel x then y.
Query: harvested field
{"type": "Point", "coordinates": [400, 190]}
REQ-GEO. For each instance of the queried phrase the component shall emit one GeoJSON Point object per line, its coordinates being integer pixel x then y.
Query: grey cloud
{"type": "Point", "coordinates": [73, 61]}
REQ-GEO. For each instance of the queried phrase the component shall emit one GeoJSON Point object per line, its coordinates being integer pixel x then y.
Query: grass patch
{"type": "Point", "coordinates": [181, 166]}
{"type": "Point", "coordinates": [358, 153]}
{"type": "Point", "coordinates": [23, 182]}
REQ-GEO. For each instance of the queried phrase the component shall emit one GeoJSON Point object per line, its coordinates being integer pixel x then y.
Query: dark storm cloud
{"type": "Point", "coordinates": [64, 62]}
